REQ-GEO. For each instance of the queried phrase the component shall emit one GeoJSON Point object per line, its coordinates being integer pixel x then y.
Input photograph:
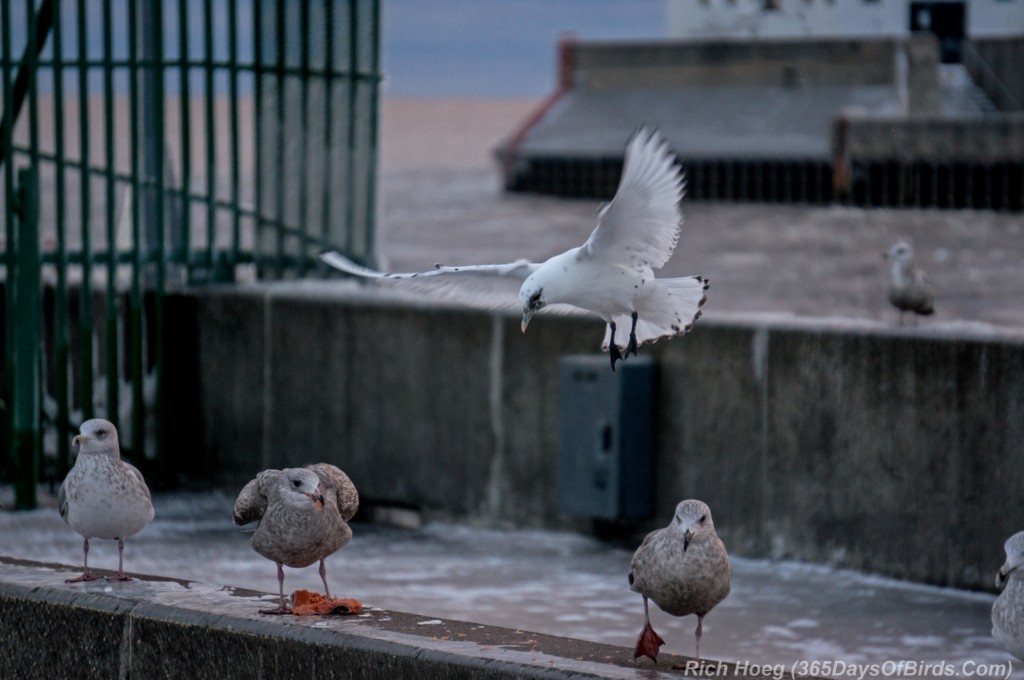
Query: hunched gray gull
{"type": "Point", "coordinates": [303, 516]}
{"type": "Point", "coordinates": [684, 568]}
{"type": "Point", "coordinates": [103, 496]}
{"type": "Point", "coordinates": [909, 288]}
{"type": "Point", "coordinates": [1008, 609]}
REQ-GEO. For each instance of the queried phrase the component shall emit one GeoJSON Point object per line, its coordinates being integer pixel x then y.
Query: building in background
{"type": "Point", "coordinates": [869, 102]}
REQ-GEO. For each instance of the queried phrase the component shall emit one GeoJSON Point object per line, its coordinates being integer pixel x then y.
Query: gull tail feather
{"type": "Point", "coordinates": [670, 309]}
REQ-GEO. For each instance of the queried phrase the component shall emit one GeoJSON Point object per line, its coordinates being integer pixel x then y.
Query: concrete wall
{"type": "Point", "coordinates": [876, 448]}
{"type": "Point", "coordinates": [156, 628]}
{"type": "Point", "coordinates": [783, 63]}
{"type": "Point", "coordinates": [981, 140]}
{"type": "Point", "coordinates": [1003, 56]}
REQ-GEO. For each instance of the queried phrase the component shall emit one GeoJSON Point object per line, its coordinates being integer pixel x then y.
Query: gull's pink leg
{"type": "Point", "coordinates": [119, 575]}
{"type": "Point", "coordinates": [283, 609]}
{"type": "Point", "coordinates": [86, 574]}
{"type": "Point", "coordinates": [649, 641]}
{"type": "Point", "coordinates": [323, 575]}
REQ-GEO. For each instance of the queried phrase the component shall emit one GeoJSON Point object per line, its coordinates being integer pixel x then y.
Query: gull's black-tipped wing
{"type": "Point", "coordinates": [519, 269]}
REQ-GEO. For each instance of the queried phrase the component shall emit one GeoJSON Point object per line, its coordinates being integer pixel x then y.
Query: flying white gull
{"type": "Point", "coordinates": [102, 496]}
{"type": "Point", "coordinates": [612, 274]}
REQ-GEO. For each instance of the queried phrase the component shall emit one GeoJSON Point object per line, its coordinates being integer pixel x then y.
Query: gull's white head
{"type": "Point", "coordinates": [301, 484]}
{"type": "Point", "coordinates": [901, 253]}
{"type": "Point", "coordinates": [97, 436]}
{"type": "Point", "coordinates": [531, 297]}
{"type": "Point", "coordinates": [1014, 548]}
{"type": "Point", "coordinates": [692, 518]}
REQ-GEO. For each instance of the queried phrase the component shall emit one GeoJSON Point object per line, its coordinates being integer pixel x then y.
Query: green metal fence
{"type": "Point", "coordinates": [153, 144]}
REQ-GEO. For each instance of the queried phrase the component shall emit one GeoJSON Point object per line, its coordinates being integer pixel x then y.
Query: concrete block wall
{"type": "Point", "coordinates": [775, 62]}
{"type": "Point", "coordinates": [889, 450]}
{"type": "Point", "coordinates": [155, 628]}
{"type": "Point", "coordinates": [985, 139]}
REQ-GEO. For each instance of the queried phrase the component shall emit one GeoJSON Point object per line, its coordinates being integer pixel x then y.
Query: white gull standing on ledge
{"type": "Point", "coordinates": [909, 287]}
{"type": "Point", "coordinates": [103, 496]}
{"type": "Point", "coordinates": [684, 568]}
{"type": "Point", "coordinates": [1008, 609]}
{"type": "Point", "coordinates": [612, 274]}
{"type": "Point", "coordinates": [303, 516]}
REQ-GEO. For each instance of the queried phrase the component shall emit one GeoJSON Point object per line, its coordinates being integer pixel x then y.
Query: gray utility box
{"type": "Point", "coordinates": [605, 431]}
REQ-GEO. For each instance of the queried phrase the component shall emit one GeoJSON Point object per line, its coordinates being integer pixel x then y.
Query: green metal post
{"type": "Point", "coordinates": [304, 157]}
{"type": "Point", "coordinates": [25, 439]}
{"type": "Point", "coordinates": [371, 166]}
{"type": "Point", "coordinates": [161, 249]}
{"type": "Point", "coordinates": [6, 129]}
{"type": "Point", "coordinates": [61, 344]}
{"type": "Point", "coordinates": [85, 320]}
{"type": "Point", "coordinates": [279, 142]}
{"type": "Point", "coordinates": [110, 314]}
{"type": "Point", "coordinates": [135, 311]}
{"type": "Point", "coordinates": [211, 143]}
{"type": "Point", "coordinates": [350, 137]}
{"type": "Point", "coordinates": [182, 243]}
{"type": "Point", "coordinates": [236, 227]}
{"type": "Point", "coordinates": [325, 170]}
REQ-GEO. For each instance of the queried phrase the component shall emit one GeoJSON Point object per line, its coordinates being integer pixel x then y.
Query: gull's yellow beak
{"type": "Point", "coordinates": [527, 315]}
{"type": "Point", "coordinates": [79, 438]}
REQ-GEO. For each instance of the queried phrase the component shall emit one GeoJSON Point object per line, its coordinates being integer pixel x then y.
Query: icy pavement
{"type": "Point", "coordinates": [556, 583]}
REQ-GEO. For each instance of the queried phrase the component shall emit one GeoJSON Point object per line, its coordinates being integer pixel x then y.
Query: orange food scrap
{"type": "Point", "coordinates": [308, 603]}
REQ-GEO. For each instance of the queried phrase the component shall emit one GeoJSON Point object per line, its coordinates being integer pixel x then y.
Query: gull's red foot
{"type": "Point", "coordinates": [120, 576]}
{"type": "Point", "coordinates": [87, 576]}
{"type": "Point", "coordinates": [648, 644]}
{"type": "Point", "coordinates": [280, 610]}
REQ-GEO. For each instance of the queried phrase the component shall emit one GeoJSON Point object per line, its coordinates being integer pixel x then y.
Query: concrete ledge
{"type": "Point", "coordinates": [163, 628]}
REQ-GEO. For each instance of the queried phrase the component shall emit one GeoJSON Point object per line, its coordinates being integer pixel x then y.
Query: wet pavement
{"type": "Point", "coordinates": [547, 582]}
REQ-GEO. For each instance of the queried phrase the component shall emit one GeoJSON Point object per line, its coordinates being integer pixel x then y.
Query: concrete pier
{"type": "Point", "coordinates": [162, 628]}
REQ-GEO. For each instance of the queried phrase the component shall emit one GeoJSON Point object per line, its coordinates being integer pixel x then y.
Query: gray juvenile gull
{"type": "Point", "coordinates": [909, 287]}
{"type": "Point", "coordinates": [1008, 609]}
{"type": "Point", "coordinates": [684, 568]}
{"type": "Point", "coordinates": [303, 516]}
{"type": "Point", "coordinates": [612, 274]}
{"type": "Point", "coordinates": [103, 496]}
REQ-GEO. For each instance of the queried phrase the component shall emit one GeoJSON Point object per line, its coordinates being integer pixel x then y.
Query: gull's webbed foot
{"type": "Point", "coordinates": [87, 576]}
{"type": "Point", "coordinates": [648, 644]}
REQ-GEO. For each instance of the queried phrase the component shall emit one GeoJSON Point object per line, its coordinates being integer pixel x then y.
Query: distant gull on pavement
{"type": "Point", "coordinates": [103, 496]}
{"type": "Point", "coordinates": [1008, 609]}
{"type": "Point", "coordinates": [303, 516]}
{"type": "Point", "coordinates": [909, 287]}
{"type": "Point", "coordinates": [612, 274]}
{"type": "Point", "coordinates": [684, 568]}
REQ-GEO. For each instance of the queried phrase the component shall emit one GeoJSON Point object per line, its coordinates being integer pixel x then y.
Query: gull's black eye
{"type": "Point", "coordinates": [535, 298]}
{"type": "Point", "coordinates": [702, 518]}
{"type": "Point", "coordinates": [296, 483]}
{"type": "Point", "coordinates": [101, 434]}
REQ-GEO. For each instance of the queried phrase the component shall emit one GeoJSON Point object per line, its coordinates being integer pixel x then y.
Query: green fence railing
{"type": "Point", "coordinates": [170, 143]}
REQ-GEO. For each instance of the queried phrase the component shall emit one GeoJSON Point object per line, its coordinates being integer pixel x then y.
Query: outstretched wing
{"type": "Point", "coordinates": [251, 502]}
{"type": "Point", "coordinates": [640, 226]}
{"type": "Point", "coordinates": [519, 269]}
{"type": "Point", "coordinates": [339, 484]}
